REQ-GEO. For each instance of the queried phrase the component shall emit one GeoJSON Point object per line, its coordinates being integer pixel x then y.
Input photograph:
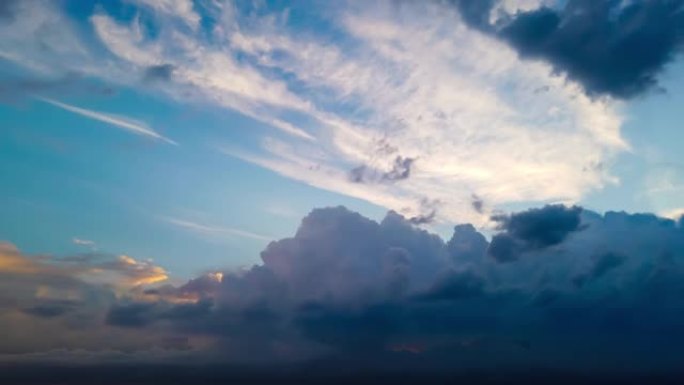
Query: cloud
{"type": "Point", "coordinates": [51, 303]}
{"type": "Point", "coordinates": [136, 127]}
{"type": "Point", "coordinates": [96, 268]}
{"type": "Point", "coordinates": [345, 288]}
{"type": "Point", "coordinates": [352, 287]}
{"type": "Point", "coordinates": [534, 229]}
{"type": "Point", "coordinates": [83, 242]}
{"type": "Point", "coordinates": [455, 285]}
{"type": "Point", "coordinates": [478, 204]}
{"type": "Point", "coordinates": [214, 231]}
{"type": "Point", "coordinates": [400, 170]}
{"type": "Point", "coordinates": [615, 48]}
{"type": "Point", "coordinates": [602, 266]}
{"type": "Point", "coordinates": [181, 9]}
{"type": "Point", "coordinates": [429, 107]}
{"type": "Point", "coordinates": [7, 9]}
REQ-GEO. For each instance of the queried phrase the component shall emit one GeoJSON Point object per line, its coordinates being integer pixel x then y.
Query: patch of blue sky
{"type": "Point", "coordinates": [651, 175]}
{"type": "Point", "coordinates": [71, 176]}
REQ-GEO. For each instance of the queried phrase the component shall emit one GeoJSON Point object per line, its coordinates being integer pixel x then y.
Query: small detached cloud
{"type": "Point", "coordinates": [400, 169]}
{"type": "Point", "coordinates": [84, 242]}
{"type": "Point", "coordinates": [214, 232]}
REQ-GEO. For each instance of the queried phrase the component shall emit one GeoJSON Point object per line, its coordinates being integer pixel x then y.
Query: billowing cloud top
{"type": "Point", "coordinates": [578, 291]}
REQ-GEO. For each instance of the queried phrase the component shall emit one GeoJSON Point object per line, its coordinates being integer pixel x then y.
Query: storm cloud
{"type": "Point", "coordinates": [345, 288]}
{"type": "Point", "coordinates": [616, 48]}
{"type": "Point", "coordinates": [535, 229]}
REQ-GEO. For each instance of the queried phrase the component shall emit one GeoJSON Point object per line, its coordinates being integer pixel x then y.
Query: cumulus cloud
{"type": "Point", "coordinates": [534, 229]}
{"type": "Point", "coordinates": [345, 287]}
{"type": "Point", "coordinates": [50, 303]}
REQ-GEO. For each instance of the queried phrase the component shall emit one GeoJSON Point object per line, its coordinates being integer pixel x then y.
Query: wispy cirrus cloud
{"type": "Point", "coordinates": [214, 231]}
{"type": "Point", "coordinates": [84, 242]}
{"type": "Point", "coordinates": [125, 123]}
{"type": "Point", "coordinates": [417, 83]}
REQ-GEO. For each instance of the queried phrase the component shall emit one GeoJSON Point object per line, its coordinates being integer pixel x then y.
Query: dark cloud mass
{"type": "Point", "coordinates": [535, 229]}
{"type": "Point", "coordinates": [542, 227]}
{"type": "Point", "coordinates": [580, 291]}
{"type": "Point", "coordinates": [611, 47]}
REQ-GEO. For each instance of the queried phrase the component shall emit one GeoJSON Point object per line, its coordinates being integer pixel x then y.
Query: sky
{"type": "Point", "coordinates": [436, 185]}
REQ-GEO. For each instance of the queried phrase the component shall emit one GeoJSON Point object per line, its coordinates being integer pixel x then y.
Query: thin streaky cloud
{"type": "Point", "coordinates": [136, 127]}
{"type": "Point", "coordinates": [83, 242]}
{"type": "Point", "coordinates": [214, 231]}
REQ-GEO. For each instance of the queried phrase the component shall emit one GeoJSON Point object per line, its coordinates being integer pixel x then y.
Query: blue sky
{"type": "Point", "coordinates": [194, 135]}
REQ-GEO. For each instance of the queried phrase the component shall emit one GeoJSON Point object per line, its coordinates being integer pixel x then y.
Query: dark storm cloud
{"type": "Point", "coordinates": [611, 47]}
{"type": "Point", "coordinates": [130, 315]}
{"type": "Point", "coordinates": [455, 285]}
{"type": "Point", "coordinates": [467, 245]}
{"type": "Point", "coordinates": [51, 309]}
{"type": "Point", "coordinates": [603, 265]}
{"type": "Point", "coordinates": [504, 248]}
{"type": "Point", "coordinates": [534, 229]}
{"type": "Point", "coordinates": [608, 47]}
{"type": "Point", "coordinates": [353, 287]}
{"type": "Point", "coordinates": [591, 291]}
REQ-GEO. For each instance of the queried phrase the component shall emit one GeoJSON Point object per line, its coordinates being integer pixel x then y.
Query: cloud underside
{"type": "Point", "coordinates": [577, 290]}
{"type": "Point", "coordinates": [616, 48]}
{"type": "Point", "coordinates": [408, 107]}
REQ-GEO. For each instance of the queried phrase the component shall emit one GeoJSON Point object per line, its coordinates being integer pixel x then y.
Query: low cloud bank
{"type": "Point", "coordinates": [557, 287]}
